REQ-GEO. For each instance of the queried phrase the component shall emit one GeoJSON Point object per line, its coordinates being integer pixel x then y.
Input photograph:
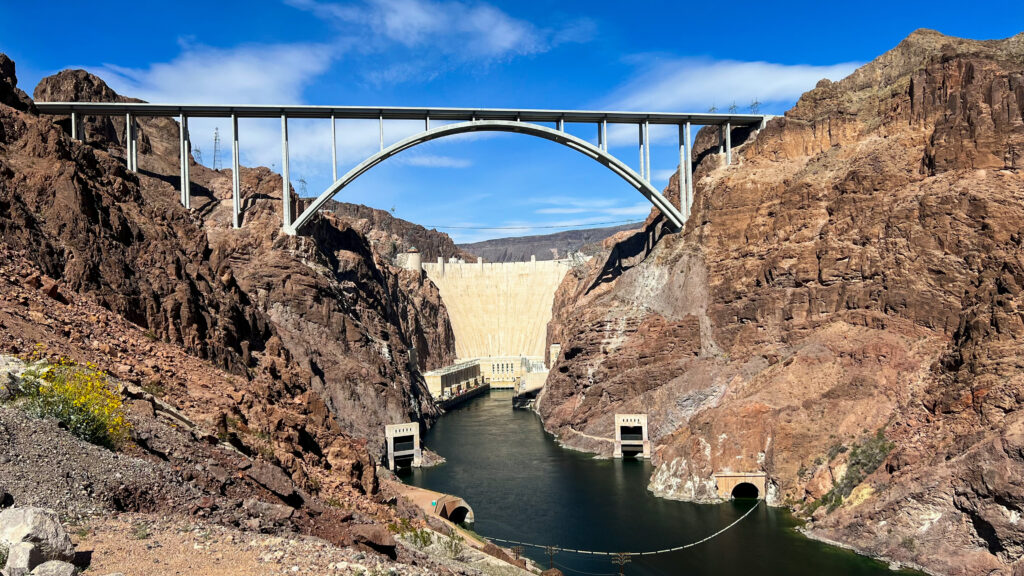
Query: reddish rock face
{"type": "Point", "coordinates": [314, 331]}
{"type": "Point", "coordinates": [857, 269]}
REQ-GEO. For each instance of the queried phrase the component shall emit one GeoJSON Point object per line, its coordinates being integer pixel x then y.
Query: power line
{"type": "Point", "coordinates": [563, 567]}
{"type": "Point", "coordinates": [532, 227]}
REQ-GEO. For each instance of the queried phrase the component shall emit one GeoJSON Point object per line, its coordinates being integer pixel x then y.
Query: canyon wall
{"type": "Point", "coordinates": [843, 312]}
{"type": "Point", "coordinates": [319, 326]}
{"type": "Point", "coordinates": [498, 309]}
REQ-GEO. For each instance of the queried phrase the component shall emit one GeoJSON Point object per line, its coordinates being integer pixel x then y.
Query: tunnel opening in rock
{"type": "Point", "coordinates": [745, 491]}
{"type": "Point", "coordinates": [459, 515]}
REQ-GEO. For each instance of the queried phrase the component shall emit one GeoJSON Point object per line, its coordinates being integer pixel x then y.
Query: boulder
{"type": "Point", "coordinates": [375, 537]}
{"type": "Point", "coordinates": [10, 376]}
{"type": "Point", "coordinates": [55, 568]}
{"type": "Point", "coordinates": [40, 530]}
{"type": "Point", "coordinates": [273, 478]}
{"type": "Point", "coordinates": [22, 557]}
{"type": "Point", "coordinates": [270, 513]}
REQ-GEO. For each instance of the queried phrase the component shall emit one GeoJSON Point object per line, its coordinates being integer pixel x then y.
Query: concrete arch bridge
{"type": "Point", "coordinates": [454, 121]}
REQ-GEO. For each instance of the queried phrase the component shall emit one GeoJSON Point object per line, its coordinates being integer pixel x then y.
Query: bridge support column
{"type": "Point", "coordinates": [689, 170]}
{"type": "Point", "coordinates": [728, 144]}
{"type": "Point", "coordinates": [631, 433]}
{"type": "Point", "coordinates": [236, 181]}
{"type": "Point", "coordinates": [129, 144]}
{"type": "Point", "coordinates": [74, 126]}
{"type": "Point", "coordinates": [403, 443]}
{"type": "Point", "coordinates": [684, 204]}
{"type": "Point", "coordinates": [334, 149]}
{"type": "Point", "coordinates": [381, 132]}
{"type": "Point", "coordinates": [187, 162]}
{"type": "Point", "coordinates": [640, 127]}
{"type": "Point", "coordinates": [602, 136]}
{"type": "Point", "coordinates": [183, 162]}
{"type": "Point", "coordinates": [286, 186]}
{"type": "Point", "coordinates": [647, 148]}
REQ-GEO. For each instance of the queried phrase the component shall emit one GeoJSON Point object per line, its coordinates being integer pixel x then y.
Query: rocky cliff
{"type": "Point", "coordinates": [318, 328]}
{"type": "Point", "coordinates": [391, 235]}
{"type": "Point", "coordinates": [843, 312]}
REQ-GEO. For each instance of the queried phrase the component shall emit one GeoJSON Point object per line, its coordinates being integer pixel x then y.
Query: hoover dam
{"type": "Point", "coordinates": [498, 309]}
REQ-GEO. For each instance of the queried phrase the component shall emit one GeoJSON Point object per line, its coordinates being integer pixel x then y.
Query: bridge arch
{"type": "Point", "coordinates": [652, 194]}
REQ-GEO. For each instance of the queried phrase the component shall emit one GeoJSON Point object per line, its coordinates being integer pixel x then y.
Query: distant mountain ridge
{"type": "Point", "coordinates": [544, 247]}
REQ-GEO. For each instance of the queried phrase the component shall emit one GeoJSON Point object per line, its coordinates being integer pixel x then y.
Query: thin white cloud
{"type": "Point", "coordinates": [436, 34]}
{"type": "Point", "coordinates": [248, 74]}
{"type": "Point", "coordinates": [695, 85]}
{"type": "Point", "coordinates": [433, 161]}
{"type": "Point", "coordinates": [663, 174]}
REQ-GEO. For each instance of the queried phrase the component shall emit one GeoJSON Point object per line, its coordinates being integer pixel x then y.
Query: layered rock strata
{"type": "Point", "coordinates": [843, 312]}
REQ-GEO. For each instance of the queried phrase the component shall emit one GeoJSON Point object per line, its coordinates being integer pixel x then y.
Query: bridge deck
{"type": "Point", "coordinates": [395, 113]}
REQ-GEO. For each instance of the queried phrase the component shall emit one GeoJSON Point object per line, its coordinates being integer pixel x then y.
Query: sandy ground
{"type": "Point", "coordinates": [139, 545]}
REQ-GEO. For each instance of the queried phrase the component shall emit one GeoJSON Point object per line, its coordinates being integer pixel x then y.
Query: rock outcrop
{"type": "Point", "coordinates": [391, 236]}
{"type": "Point", "coordinates": [842, 312]}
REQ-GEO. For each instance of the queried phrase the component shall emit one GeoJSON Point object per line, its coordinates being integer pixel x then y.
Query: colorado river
{"type": "Point", "coordinates": [523, 486]}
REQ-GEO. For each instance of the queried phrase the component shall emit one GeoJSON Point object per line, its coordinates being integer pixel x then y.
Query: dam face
{"type": "Point", "coordinates": [498, 309]}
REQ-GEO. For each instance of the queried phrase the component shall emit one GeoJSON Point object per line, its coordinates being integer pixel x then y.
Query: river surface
{"type": "Point", "coordinates": [523, 486]}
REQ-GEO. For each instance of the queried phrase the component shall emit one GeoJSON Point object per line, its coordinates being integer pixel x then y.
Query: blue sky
{"type": "Point", "coordinates": [660, 56]}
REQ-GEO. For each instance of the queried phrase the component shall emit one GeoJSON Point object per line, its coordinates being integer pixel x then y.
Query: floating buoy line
{"type": "Point", "coordinates": [549, 549]}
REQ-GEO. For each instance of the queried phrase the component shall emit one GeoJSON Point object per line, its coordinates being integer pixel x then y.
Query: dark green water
{"type": "Point", "coordinates": [523, 486]}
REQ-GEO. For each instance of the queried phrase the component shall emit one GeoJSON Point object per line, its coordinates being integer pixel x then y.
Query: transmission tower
{"type": "Point", "coordinates": [620, 560]}
{"type": "Point", "coordinates": [302, 187]}
{"type": "Point", "coordinates": [551, 551]}
{"type": "Point", "coordinates": [216, 149]}
{"type": "Point", "coordinates": [517, 551]}
{"type": "Point", "coordinates": [198, 153]}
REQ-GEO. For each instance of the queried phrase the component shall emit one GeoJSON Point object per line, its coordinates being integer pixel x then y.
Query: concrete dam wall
{"type": "Point", "coordinates": [498, 309]}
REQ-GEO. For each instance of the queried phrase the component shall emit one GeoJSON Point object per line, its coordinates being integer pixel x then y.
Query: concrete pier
{"type": "Point", "coordinates": [631, 435]}
{"type": "Point", "coordinates": [404, 443]}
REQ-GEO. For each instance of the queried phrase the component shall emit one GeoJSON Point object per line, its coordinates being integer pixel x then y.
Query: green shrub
{"type": "Point", "coordinates": [421, 538]}
{"type": "Point", "coordinates": [452, 547]}
{"type": "Point", "coordinates": [836, 450]}
{"type": "Point", "coordinates": [865, 458]}
{"type": "Point", "coordinates": [79, 396]}
{"type": "Point", "coordinates": [3, 554]}
{"type": "Point", "coordinates": [140, 531]}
